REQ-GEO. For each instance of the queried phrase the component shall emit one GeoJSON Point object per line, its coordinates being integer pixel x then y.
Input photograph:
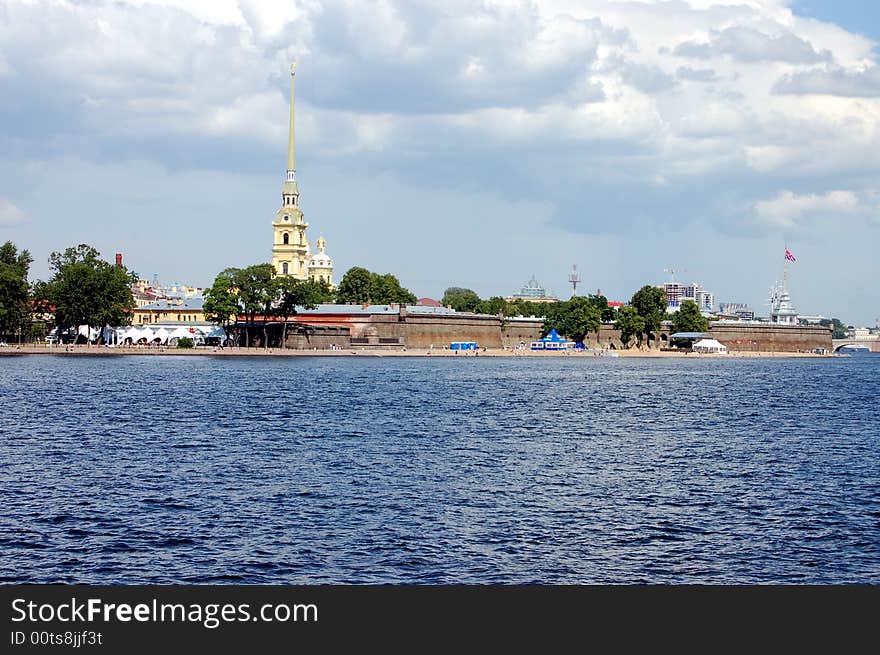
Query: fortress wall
{"type": "Point", "coordinates": [425, 330]}
{"type": "Point", "coordinates": [772, 338]}
{"type": "Point", "coordinates": [515, 332]}
{"type": "Point", "coordinates": [321, 337]}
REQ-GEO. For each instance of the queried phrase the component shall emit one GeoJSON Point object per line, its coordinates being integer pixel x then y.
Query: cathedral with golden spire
{"type": "Point", "coordinates": [291, 253]}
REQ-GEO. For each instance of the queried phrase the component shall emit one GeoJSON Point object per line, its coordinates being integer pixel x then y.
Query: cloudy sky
{"type": "Point", "coordinates": [456, 142]}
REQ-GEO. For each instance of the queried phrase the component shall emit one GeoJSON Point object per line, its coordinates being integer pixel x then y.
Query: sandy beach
{"type": "Point", "coordinates": [98, 351]}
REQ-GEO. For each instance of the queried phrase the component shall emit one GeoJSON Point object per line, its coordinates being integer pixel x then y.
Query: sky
{"type": "Point", "coordinates": [456, 143]}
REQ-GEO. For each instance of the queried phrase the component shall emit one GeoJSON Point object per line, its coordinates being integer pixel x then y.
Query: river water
{"type": "Point", "coordinates": [155, 469]}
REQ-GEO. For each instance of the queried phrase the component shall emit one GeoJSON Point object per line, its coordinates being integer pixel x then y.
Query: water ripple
{"type": "Point", "coordinates": [479, 470]}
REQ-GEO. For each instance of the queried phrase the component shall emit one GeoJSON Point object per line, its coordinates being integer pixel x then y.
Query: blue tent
{"type": "Point", "coordinates": [551, 342]}
{"type": "Point", "coordinates": [553, 337]}
{"type": "Point", "coordinates": [463, 345]}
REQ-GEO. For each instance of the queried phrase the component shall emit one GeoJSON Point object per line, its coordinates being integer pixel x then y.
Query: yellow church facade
{"type": "Point", "coordinates": [291, 253]}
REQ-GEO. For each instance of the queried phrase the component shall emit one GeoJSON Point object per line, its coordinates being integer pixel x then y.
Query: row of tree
{"type": "Point", "coordinates": [84, 290]}
{"type": "Point", "coordinates": [257, 294]}
{"type": "Point", "coordinates": [641, 319]}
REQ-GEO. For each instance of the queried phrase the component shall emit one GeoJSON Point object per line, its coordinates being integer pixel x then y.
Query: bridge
{"type": "Point", "coordinates": [872, 343]}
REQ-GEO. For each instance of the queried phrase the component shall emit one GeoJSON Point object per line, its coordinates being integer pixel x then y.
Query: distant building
{"type": "Point", "coordinates": [291, 252]}
{"type": "Point", "coordinates": [428, 302]}
{"type": "Point", "coordinates": [147, 292]}
{"type": "Point", "coordinates": [533, 292]}
{"type": "Point", "coordinates": [171, 310]}
{"type": "Point", "coordinates": [782, 311]}
{"type": "Point", "coordinates": [677, 293]}
{"type": "Point", "coordinates": [736, 310]}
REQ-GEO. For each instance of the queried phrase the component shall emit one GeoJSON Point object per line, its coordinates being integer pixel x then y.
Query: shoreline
{"type": "Point", "coordinates": [103, 351]}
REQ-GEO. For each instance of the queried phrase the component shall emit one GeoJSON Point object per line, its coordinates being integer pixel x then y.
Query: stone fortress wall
{"type": "Point", "coordinates": [399, 328]}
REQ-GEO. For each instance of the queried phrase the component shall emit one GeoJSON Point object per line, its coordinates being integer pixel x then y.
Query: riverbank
{"type": "Point", "coordinates": [98, 351]}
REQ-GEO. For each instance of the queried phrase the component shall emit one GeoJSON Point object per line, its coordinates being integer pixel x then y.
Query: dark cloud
{"type": "Point", "coordinates": [749, 45]}
{"type": "Point", "coordinates": [833, 81]}
{"type": "Point", "coordinates": [696, 74]}
{"type": "Point", "coordinates": [445, 62]}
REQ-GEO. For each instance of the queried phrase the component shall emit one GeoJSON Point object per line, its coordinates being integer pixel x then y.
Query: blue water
{"type": "Point", "coordinates": [158, 469]}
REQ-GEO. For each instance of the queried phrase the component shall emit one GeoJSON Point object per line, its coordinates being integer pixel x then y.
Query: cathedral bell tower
{"type": "Point", "coordinates": [290, 248]}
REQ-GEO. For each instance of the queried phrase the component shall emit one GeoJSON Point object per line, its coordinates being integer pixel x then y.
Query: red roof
{"type": "Point", "coordinates": [615, 303]}
{"type": "Point", "coordinates": [428, 302]}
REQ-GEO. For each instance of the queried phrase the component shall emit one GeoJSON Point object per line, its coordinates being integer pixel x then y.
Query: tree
{"type": "Point", "coordinates": [386, 289]}
{"type": "Point", "coordinates": [257, 290]}
{"type": "Point", "coordinates": [460, 299]}
{"type": "Point", "coordinates": [298, 294]}
{"type": "Point", "coordinates": [689, 319]}
{"type": "Point", "coordinates": [494, 306]}
{"type": "Point", "coordinates": [630, 323]}
{"type": "Point", "coordinates": [650, 303]}
{"type": "Point", "coordinates": [839, 329]}
{"type": "Point", "coordinates": [361, 286]}
{"type": "Point", "coordinates": [15, 307]}
{"type": "Point", "coordinates": [89, 291]}
{"type": "Point", "coordinates": [580, 316]}
{"type": "Point", "coordinates": [601, 303]}
{"type": "Point", "coordinates": [356, 286]}
{"type": "Point", "coordinates": [221, 302]}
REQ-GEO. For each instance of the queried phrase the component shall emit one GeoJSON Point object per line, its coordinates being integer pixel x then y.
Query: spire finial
{"type": "Point", "coordinates": [291, 135]}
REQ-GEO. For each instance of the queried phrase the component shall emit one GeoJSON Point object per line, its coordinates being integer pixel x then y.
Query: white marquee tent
{"type": "Point", "coordinates": [710, 346]}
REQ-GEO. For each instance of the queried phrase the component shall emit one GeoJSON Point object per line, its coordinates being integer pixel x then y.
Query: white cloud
{"type": "Point", "coordinates": [832, 80]}
{"type": "Point", "coordinates": [10, 214]}
{"type": "Point", "coordinates": [751, 45]}
{"type": "Point", "coordinates": [788, 209]}
{"type": "Point", "coordinates": [587, 106]}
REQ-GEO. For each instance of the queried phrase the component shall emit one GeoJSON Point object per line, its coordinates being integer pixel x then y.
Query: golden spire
{"type": "Point", "coordinates": [291, 135]}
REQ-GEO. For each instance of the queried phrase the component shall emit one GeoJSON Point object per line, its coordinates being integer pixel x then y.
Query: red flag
{"type": "Point", "coordinates": [789, 256]}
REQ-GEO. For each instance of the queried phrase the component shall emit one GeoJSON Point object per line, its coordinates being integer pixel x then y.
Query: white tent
{"type": "Point", "coordinates": [710, 346]}
{"type": "Point", "coordinates": [161, 334]}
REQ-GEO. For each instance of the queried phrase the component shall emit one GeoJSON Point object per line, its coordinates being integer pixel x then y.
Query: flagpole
{"type": "Point", "coordinates": [785, 268]}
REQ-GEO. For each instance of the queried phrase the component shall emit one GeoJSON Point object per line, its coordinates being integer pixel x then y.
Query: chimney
{"type": "Point", "coordinates": [119, 259]}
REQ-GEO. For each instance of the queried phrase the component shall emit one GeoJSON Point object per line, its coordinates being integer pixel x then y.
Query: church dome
{"type": "Point", "coordinates": [321, 259]}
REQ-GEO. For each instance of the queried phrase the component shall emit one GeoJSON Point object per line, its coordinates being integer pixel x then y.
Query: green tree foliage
{"type": "Point", "coordinates": [294, 295]}
{"type": "Point", "coordinates": [601, 303]}
{"type": "Point", "coordinates": [386, 289]}
{"type": "Point", "coordinates": [837, 325]}
{"type": "Point", "coordinates": [361, 286]}
{"type": "Point", "coordinates": [185, 343]}
{"type": "Point", "coordinates": [460, 299]}
{"type": "Point", "coordinates": [356, 286]}
{"type": "Point", "coordinates": [86, 290]}
{"type": "Point", "coordinates": [650, 303]}
{"type": "Point", "coordinates": [493, 306]}
{"type": "Point", "coordinates": [221, 302]}
{"type": "Point", "coordinates": [257, 290]}
{"type": "Point", "coordinates": [689, 319]}
{"type": "Point", "coordinates": [15, 307]}
{"type": "Point", "coordinates": [520, 307]}
{"type": "Point", "coordinates": [630, 323]}
{"type": "Point", "coordinates": [577, 318]}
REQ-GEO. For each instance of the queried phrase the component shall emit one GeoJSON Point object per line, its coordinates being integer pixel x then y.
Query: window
{"type": "Point", "coordinates": [286, 238]}
{"type": "Point", "coordinates": [284, 265]}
